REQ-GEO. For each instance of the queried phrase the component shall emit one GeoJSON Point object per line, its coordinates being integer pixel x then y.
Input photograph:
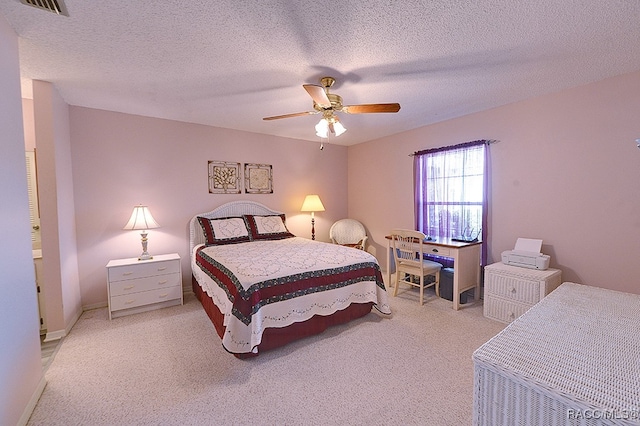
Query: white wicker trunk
{"type": "Point", "coordinates": [572, 359]}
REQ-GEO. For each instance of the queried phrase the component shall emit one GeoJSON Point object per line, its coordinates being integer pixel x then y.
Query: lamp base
{"type": "Point", "coordinates": [145, 256]}
{"type": "Point", "coordinates": [313, 228]}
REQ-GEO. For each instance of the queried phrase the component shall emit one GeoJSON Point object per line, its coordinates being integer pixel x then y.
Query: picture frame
{"type": "Point", "coordinates": [224, 177]}
{"type": "Point", "coordinates": [258, 178]}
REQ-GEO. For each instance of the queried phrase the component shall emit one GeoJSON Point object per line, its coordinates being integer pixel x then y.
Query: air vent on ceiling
{"type": "Point", "coordinates": [55, 6]}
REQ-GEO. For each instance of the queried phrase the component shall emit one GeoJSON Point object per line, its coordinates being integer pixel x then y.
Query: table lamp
{"type": "Point", "coordinates": [312, 204]}
{"type": "Point", "coordinates": [141, 219]}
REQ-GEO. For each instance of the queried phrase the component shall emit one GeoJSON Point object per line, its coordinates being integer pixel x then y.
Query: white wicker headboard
{"type": "Point", "coordinates": [232, 209]}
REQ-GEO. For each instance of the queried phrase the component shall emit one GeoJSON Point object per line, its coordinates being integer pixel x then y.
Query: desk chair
{"type": "Point", "coordinates": [348, 232]}
{"type": "Point", "coordinates": [408, 254]}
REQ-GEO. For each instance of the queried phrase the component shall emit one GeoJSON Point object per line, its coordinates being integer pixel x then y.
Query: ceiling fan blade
{"type": "Point", "coordinates": [295, 114]}
{"type": "Point", "coordinates": [369, 108]}
{"type": "Point", "coordinates": [318, 94]}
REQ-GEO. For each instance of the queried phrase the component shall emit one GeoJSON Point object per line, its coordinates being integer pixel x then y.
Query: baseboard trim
{"type": "Point", "coordinates": [59, 334]}
{"type": "Point", "coordinates": [54, 335]}
{"type": "Point", "coordinates": [94, 306]}
{"type": "Point", "coordinates": [28, 410]}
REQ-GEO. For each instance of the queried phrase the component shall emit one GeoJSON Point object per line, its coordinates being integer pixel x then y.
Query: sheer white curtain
{"type": "Point", "coordinates": [451, 191]}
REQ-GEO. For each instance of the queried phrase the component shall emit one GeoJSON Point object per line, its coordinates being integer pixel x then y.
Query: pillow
{"type": "Point", "coordinates": [267, 227]}
{"type": "Point", "coordinates": [228, 230]}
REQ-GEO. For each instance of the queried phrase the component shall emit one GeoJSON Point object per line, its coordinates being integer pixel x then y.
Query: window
{"type": "Point", "coordinates": [451, 192]}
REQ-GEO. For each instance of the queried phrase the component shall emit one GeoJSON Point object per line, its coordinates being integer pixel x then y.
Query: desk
{"type": "Point", "coordinates": [466, 266]}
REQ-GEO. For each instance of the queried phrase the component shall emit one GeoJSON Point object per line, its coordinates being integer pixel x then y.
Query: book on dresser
{"type": "Point", "coordinates": [135, 286]}
{"type": "Point", "coordinates": [509, 291]}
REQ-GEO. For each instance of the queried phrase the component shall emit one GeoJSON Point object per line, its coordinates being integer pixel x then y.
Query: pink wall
{"type": "Point", "coordinates": [46, 129]}
{"type": "Point", "coordinates": [57, 218]}
{"type": "Point", "coordinates": [21, 378]}
{"type": "Point", "coordinates": [28, 125]}
{"type": "Point", "coordinates": [121, 160]}
{"type": "Point", "coordinates": [566, 170]}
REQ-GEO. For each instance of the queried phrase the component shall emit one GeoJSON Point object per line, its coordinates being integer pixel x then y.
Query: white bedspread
{"type": "Point", "coordinates": [265, 263]}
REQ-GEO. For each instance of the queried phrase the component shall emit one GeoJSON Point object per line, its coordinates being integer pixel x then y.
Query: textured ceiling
{"type": "Point", "coordinates": [229, 63]}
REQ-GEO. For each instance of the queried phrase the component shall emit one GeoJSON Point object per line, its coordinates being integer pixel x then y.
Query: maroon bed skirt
{"type": "Point", "coordinates": [276, 337]}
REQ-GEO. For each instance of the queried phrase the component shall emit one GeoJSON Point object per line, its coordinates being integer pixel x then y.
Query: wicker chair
{"type": "Point", "coordinates": [411, 267]}
{"type": "Point", "coordinates": [348, 232]}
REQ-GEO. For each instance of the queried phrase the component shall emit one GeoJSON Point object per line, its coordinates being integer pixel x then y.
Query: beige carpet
{"type": "Point", "coordinates": [167, 367]}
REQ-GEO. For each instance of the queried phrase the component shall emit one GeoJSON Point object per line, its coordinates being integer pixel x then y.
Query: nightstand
{"type": "Point", "coordinates": [509, 291]}
{"type": "Point", "coordinates": [136, 286]}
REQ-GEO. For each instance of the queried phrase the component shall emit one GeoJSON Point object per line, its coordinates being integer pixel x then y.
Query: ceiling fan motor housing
{"type": "Point", "coordinates": [336, 103]}
{"type": "Point", "coordinates": [327, 82]}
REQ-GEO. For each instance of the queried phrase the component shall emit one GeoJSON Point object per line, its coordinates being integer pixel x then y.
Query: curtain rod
{"type": "Point", "coordinates": [486, 141]}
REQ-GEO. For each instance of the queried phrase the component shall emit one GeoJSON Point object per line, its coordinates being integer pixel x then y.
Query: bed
{"type": "Point", "coordinates": [262, 287]}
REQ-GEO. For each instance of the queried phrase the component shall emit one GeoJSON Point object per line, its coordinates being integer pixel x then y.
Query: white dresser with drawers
{"type": "Point", "coordinates": [509, 291]}
{"type": "Point", "coordinates": [142, 285]}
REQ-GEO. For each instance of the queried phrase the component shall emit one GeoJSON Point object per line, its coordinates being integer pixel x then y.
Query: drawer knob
{"type": "Point", "coordinates": [128, 302]}
{"type": "Point", "coordinates": [129, 287]}
{"type": "Point", "coordinates": [127, 273]}
{"type": "Point", "coordinates": [434, 250]}
{"type": "Point", "coordinates": [163, 295]}
{"type": "Point", "coordinates": [162, 282]}
{"type": "Point", "coordinates": [162, 269]}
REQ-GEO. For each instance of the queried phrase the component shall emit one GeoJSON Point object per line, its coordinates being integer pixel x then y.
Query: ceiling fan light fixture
{"type": "Point", "coordinates": [337, 128]}
{"type": "Point", "coordinates": [322, 129]}
{"type": "Point", "coordinates": [329, 125]}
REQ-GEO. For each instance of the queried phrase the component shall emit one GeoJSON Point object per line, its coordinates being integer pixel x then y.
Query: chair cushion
{"type": "Point", "coordinates": [430, 264]}
{"type": "Point", "coordinates": [427, 263]}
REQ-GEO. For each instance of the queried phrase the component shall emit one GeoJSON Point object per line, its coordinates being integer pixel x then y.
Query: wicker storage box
{"type": "Point", "coordinates": [509, 291]}
{"type": "Point", "coordinates": [572, 359]}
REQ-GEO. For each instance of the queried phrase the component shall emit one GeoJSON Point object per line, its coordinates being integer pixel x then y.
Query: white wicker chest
{"type": "Point", "coordinates": [509, 291]}
{"type": "Point", "coordinates": [572, 359]}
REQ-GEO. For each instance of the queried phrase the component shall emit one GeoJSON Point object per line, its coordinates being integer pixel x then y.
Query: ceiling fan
{"type": "Point", "coordinates": [329, 103]}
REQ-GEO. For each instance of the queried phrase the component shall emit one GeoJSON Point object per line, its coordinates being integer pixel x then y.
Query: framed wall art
{"type": "Point", "coordinates": [224, 177]}
{"type": "Point", "coordinates": [258, 178]}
